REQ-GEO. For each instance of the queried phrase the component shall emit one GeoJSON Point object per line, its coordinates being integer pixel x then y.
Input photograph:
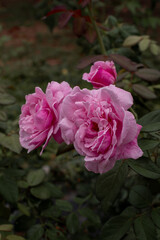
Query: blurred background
{"type": "Point", "coordinates": [36, 48]}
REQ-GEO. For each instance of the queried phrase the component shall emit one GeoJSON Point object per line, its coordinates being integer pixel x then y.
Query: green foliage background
{"type": "Point", "coordinates": [53, 196]}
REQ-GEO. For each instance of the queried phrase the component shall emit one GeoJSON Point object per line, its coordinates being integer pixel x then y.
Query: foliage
{"type": "Point", "coordinates": [52, 196]}
{"type": "Point", "coordinates": [11, 140]}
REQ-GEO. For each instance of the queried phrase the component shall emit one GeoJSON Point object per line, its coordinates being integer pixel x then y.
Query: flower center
{"type": "Point", "coordinates": [94, 126]}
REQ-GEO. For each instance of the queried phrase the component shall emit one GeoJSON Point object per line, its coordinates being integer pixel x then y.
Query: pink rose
{"type": "Point", "coordinates": [100, 127]}
{"type": "Point", "coordinates": [101, 74]}
{"type": "Point", "coordinates": [39, 120]}
{"type": "Point", "coordinates": [55, 94]}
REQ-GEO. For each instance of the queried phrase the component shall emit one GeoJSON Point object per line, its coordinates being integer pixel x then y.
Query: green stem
{"type": "Point", "coordinates": [134, 113]}
{"type": "Point", "coordinates": [96, 29]}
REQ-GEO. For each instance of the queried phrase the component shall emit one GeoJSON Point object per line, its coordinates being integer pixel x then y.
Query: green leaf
{"type": "Point", "coordinates": [14, 172]}
{"type": "Point", "coordinates": [35, 232]}
{"type": "Point", "coordinates": [8, 189]}
{"type": "Point", "coordinates": [10, 142]}
{"type": "Point", "coordinates": [144, 228]}
{"type": "Point", "coordinates": [129, 212]}
{"type": "Point", "coordinates": [35, 177]}
{"type": "Point", "coordinates": [22, 184]}
{"type": "Point", "coordinates": [153, 127]}
{"type": "Point", "coordinates": [72, 223]}
{"type": "Point", "coordinates": [148, 74]}
{"type": "Point", "coordinates": [109, 184]}
{"type": "Point", "coordinates": [155, 50]}
{"type": "Point", "coordinates": [14, 237]}
{"type": "Point", "coordinates": [140, 196]}
{"type": "Point", "coordinates": [6, 227]}
{"type": "Point", "coordinates": [131, 235]}
{"type": "Point", "coordinates": [144, 44]}
{"type": "Point", "coordinates": [131, 41]}
{"type": "Point", "coordinates": [24, 209]}
{"type": "Point", "coordinates": [46, 191]}
{"type": "Point", "coordinates": [90, 215]}
{"type": "Point", "coordinates": [81, 201]}
{"type": "Point", "coordinates": [145, 167]}
{"type": "Point", "coordinates": [147, 144]}
{"type": "Point", "coordinates": [143, 91]}
{"type": "Point", "coordinates": [51, 234]}
{"type": "Point", "coordinates": [111, 21]}
{"type": "Point", "coordinates": [155, 214]}
{"type": "Point", "coordinates": [52, 212]}
{"type": "Point", "coordinates": [64, 205]}
{"type": "Point", "coordinates": [3, 116]}
{"type": "Point", "coordinates": [157, 86]}
{"type": "Point", "coordinates": [133, 6]}
{"type": "Point", "coordinates": [116, 228]}
{"type": "Point", "coordinates": [41, 192]}
{"type": "Point", "coordinates": [152, 117]}
{"type": "Point", "coordinates": [54, 190]}
{"type": "Point", "coordinates": [6, 99]}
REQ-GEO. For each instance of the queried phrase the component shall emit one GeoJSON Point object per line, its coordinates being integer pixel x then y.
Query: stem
{"type": "Point", "coordinates": [90, 8]}
{"type": "Point", "coordinates": [134, 113]}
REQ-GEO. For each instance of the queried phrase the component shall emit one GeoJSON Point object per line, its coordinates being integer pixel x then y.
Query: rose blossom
{"type": "Point", "coordinates": [39, 120]}
{"type": "Point", "coordinates": [100, 127]}
{"type": "Point", "coordinates": [101, 74]}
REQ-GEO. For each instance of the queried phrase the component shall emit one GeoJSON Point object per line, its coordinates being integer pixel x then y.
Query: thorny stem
{"type": "Point", "coordinates": [90, 8]}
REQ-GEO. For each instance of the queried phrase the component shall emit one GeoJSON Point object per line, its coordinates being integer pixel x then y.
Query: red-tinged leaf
{"type": "Point", "coordinates": [124, 62]}
{"type": "Point", "coordinates": [148, 74]}
{"type": "Point", "coordinates": [57, 9]}
{"type": "Point", "coordinates": [77, 13]}
{"type": "Point", "coordinates": [102, 27]}
{"type": "Point", "coordinates": [87, 18]}
{"type": "Point", "coordinates": [64, 18]}
{"type": "Point", "coordinates": [90, 34]}
{"type": "Point", "coordinates": [84, 62]}
{"type": "Point", "coordinates": [140, 65]}
{"type": "Point", "coordinates": [83, 3]}
{"type": "Point", "coordinates": [144, 92]}
{"type": "Point", "coordinates": [79, 26]}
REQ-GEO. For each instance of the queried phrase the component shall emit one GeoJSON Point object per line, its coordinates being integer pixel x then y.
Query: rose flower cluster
{"type": "Point", "coordinates": [97, 122]}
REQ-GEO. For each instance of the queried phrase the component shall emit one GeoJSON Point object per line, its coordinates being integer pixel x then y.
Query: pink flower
{"type": "Point", "coordinates": [101, 74]}
{"type": "Point", "coordinates": [39, 120]}
{"type": "Point", "coordinates": [100, 127]}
